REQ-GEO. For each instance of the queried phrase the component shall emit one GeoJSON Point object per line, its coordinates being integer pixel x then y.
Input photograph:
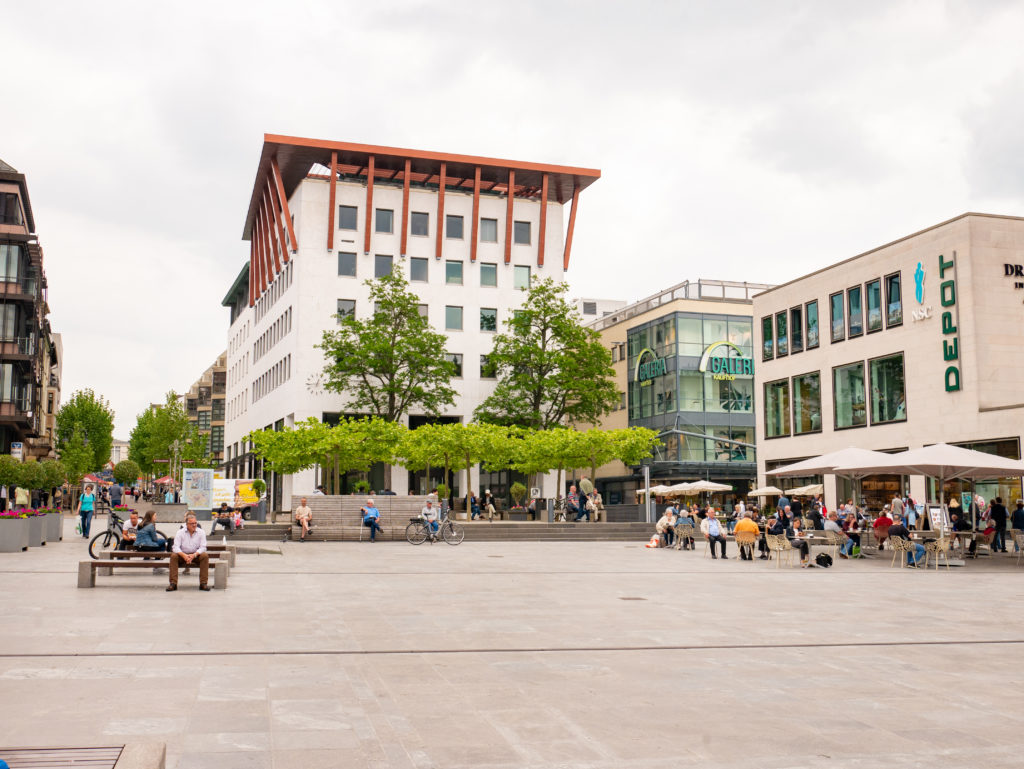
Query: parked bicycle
{"type": "Point", "coordinates": [419, 531]}
{"type": "Point", "coordinates": [110, 539]}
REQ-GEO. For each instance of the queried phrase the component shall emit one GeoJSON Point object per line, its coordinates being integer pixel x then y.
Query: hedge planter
{"type": "Point", "coordinates": [54, 527]}
{"type": "Point", "coordinates": [36, 530]}
{"type": "Point", "coordinates": [13, 535]}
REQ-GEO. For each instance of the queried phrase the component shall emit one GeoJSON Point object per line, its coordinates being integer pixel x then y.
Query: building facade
{"type": "Point", "coordinates": [469, 233]}
{"type": "Point", "coordinates": [205, 405]}
{"type": "Point", "coordinates": [683, 362]}
{"type": "Point", "coordinates": [916, 342]}
{"type": "Point", "coordinates": [29, 356]}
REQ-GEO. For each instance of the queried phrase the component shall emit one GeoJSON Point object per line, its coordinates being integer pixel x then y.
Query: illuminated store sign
{"type": "Point", "coordinates": [950, 322]}
{"type": "Point", "coordinates": [717, 361]}
{"type": "Point", "coordinates": [649, 366]}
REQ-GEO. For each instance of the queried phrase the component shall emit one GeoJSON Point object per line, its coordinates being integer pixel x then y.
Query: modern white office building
{"type": "Point", "coordinates": [916, 342]}
{"type": "Point", "coordinates": [325, 216]}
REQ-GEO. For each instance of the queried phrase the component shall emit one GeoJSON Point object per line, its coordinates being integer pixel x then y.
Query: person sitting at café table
{"type": "Point", "coordinates": [986, 533]}
{"type": "Point", "coordinates": [746, 524]}
{"type": "Point", "coordinates": [685, 518]}
{"type": "Point", "coordinates": [666, 526]}
{"type": "Point", "coordinates": [851, 527]}
{"type": "Point", "coordinates": [224, 519]}
{"type": "Point", "coordinates": [712, 531]}
{"type": "Point", "coordinates": [881, 527]}
{"type": "Point", "coordinates": [795, 535]}
{"type": "Point", "coordinates": [832, 524]}
{"type": "Point", "coordinates": [899, 529]}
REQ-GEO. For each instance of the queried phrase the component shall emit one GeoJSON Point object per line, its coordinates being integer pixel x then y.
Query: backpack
{"type": "Point", "coordinates": [824, 560]}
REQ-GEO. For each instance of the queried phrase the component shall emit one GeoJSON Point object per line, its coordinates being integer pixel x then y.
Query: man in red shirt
{"type": "Point", "coordinates": [881, 527]}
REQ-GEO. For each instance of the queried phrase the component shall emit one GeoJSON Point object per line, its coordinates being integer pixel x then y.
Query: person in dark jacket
{"type": "Point", "coordinates": [998, 514]}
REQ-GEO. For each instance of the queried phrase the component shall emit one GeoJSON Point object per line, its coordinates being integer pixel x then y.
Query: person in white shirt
{"type": "Point", "coordinates": [429, 514]}
{"type": "Point", "coordinates": [712, 531]}
{"type": "Point", "coordinates": [190, 547]}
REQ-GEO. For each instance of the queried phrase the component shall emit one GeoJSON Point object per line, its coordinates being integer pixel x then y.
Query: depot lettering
{"type": "Point", "coordinates": [950, 319]}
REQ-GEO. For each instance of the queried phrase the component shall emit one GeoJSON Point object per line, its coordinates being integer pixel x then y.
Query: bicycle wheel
{"type": "Point", "coordinates": [453, 533]}
{"type": "Point", "coordinates": [416, 533]}
{"type": "Point", "coordinates": [106, 540]}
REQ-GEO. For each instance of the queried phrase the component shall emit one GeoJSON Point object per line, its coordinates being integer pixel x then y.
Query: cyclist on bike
{"type": "Point", "coordinates": [429, 514]}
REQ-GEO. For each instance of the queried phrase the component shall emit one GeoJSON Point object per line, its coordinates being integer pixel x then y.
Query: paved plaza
{"type": "Point", "coordinates": [518, 654]}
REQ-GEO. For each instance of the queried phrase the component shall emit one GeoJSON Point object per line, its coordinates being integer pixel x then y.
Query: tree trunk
{"type": "Point", "coordinates": [387, 476]}
{"type": "Point", "coordinates": [337, 476]}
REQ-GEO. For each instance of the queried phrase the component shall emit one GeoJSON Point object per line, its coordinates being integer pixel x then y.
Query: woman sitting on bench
{"type": "Point", "coordinates": [148, 539]}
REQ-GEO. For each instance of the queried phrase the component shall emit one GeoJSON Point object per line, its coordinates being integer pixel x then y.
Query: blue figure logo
{"type": "Point", "coordinates": [919, 280]}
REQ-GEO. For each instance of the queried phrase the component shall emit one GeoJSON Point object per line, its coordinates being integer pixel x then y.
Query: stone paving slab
{"type": "Point", "coordinates": [516, 654]}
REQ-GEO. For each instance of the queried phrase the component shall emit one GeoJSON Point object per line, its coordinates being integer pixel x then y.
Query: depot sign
{"type": "Point", "coordinates": [950, 322]}
{"type": "Point", "coordinates": [717, 361]}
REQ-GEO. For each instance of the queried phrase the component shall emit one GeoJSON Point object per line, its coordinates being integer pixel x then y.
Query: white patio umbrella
{"type": "Point", "coordinates": [943, 463]}
{"type": "Point", "coordinates": [656, 491]}
{"type": "Point", "coordinates": [847, 458]}
{"type": "Point", "coordinates": [806, 491]}
{"type": "Point", "coordinates": [765, 491]}
{"type": "Point", "coordinates": [697, 486]}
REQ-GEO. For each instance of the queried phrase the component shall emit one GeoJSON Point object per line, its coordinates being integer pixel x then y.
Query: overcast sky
{"type": "Point", "coordinates": [747, 141]}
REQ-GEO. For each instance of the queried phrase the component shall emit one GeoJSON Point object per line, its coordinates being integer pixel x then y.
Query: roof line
{"type": "Point", "coordinates": [891, 243]}
{"type": "Point", "coordinates": [399, 152]}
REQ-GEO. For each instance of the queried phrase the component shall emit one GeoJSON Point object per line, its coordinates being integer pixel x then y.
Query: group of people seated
{"type": "Point", "coordinates": [188, 546]}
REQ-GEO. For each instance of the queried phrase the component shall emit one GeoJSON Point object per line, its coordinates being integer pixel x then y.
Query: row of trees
{"type": "Point", "coordinates": [42, 475]}
{"type": "Point", "coordinates": [356, 444]}
{"type": "Point", "coordinates": [156, 431]}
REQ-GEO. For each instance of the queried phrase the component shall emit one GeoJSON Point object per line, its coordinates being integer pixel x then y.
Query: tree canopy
{"type": "Point", "coordinates": [92, 414]}
{"type": "Point", "coordinates": [156, 430]}
{"type": "Point", "coordinates": [126, 472]}
{"type": "Point", "coordinates": [392, 362]}
{"type": "Point", "coordinates": [551, 370]}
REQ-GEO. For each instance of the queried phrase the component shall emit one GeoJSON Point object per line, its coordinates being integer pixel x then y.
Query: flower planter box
{"type": "Point", "coordinates": [54, 527]}
{"type": "Point", "coordinates": [36, 530]}
{"type": "Point", "coordinates": [13, 535]}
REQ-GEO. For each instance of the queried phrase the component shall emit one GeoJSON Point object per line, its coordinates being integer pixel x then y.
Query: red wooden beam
{"type": "Point", "coordinates": [543, 219]}
{"type": "Point", "coordinates": [572, 225]}
{"type": "Point", "coordinates": [268, 267]}
{"type": "Point", "coordinates": [275, 211]}
{"type": "Point", "coordinates": [284, 203]}
{"type": "Point", "coordinates": [440, 210]}
{"type": "Point", "coordinates": [331, 225]}
{"type": "Point", "coordinates": [252, 270]}
{"type": "Point", "coordinates": [261, 280]}
{"type": "Point", "coordinates": [271, 240]}
{"type": "Point", "coordinates": [476, 214]}
{"type": "Point", "coordinates": [405, 206]}
{"type": "Point", "coordinates": [369, 206]}
{"type": "Point", "coordinates": [508, 215]}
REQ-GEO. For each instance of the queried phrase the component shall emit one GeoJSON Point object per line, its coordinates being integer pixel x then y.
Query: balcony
{"type": "Point", "coordinates": [24, 290]}
{"type": "Point", "coordinates": [18, 348]}
{"type": "Point", "coordinates": [18, 411]}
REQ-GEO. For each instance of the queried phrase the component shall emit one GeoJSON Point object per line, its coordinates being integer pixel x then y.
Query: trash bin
{"type": "Point", "coordinates": [261, 511]}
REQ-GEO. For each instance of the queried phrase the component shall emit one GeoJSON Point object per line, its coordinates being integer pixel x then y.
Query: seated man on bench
{"type": "Point", "coordinates": [129, 532]}
{"type": "Point", "coordinates": [303, 517]}
{"type": "Point", "coordinates": [224, 519]}
{"type": "Point", "coordinates": [190, 547]}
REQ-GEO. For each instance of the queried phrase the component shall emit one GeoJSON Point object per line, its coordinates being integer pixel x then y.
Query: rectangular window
{"type": "Point", "coordinates": [781, 335]}
{"type": "Point", "coordinates": [346, 264]}
{"type": "Point", "coordinates": [488, 319]}
{"type": "Point", "coordinates": [796, 329]}
{"type": "Point", "coordinates": [453, 273]}
{"type": "Point", "coordinates": [776, 409]}
{"type": "Point", "coordinates": [835, 302]}
{"type": "Point", "coordinates": [385, 221]}
{"type": "Point", "coordinates": [848, 396]}
{"type": "Point", "coordinates": [204, 420]}
{"type": "Point", "coordinates": [767, 338]}
{"type": "Point", "coordinates": [874, 299]}
{"type": "Point", "coordinates": [453, 227]}
{"type": "Point", "coordinates": [488, 274]}
{"type": "Point", "coordinates": [455, 359]}
{"type": "Point", "coordinates": [488, 230]}
{"type": "Point", "coordinates": [423, 309]}
{"type": "Point", "coordinates": [590, 308]}
{"type": "Point", "coordinates": [521, 277]}
{"type": "Point", "coordinates": [807, 403]}
{"type": "Point", "coordinates": [888, 395]}
{"type": "Point", "coordinates": [811, 313]}
{"type": "Point", "coordinates": [381, 266]}
{"type": "Point", "coordinates": [856, 310]}
{"type": "Point", "coordinates": [346, 309]}
{"type": "Point", "coordinates": [419, 223]}
{"type": "Point", "coordinates": [487, 369]}
{"type": "Point", "coordinates": [217, 410]}
{"type": "Point", "coordinates": [347, 216]}
{"type": "Point", "coordinates": [521, 233]}
{"type": "Point", "coordinates": [453, 318]}
{"type": "Point", "coordinates": [418, 269]}
{"type": "Point", "coordinates": [893, 300]}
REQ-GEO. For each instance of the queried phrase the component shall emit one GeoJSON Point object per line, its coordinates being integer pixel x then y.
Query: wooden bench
{"type": "Point", "coordinates": [141, 755]}
{"type": "Point", "coordinates": [215, 551]}
{"type": "Point", "coordinates": [87, 569]}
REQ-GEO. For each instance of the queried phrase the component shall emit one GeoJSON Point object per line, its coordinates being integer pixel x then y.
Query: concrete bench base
{"type": "Point", "coordinates": [87, 571]}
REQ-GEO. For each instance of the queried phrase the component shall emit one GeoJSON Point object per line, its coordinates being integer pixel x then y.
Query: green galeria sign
{"type": "Point", "coordinates": [717, 361]}
{"type": "Point", "coordinates": [649, 366]}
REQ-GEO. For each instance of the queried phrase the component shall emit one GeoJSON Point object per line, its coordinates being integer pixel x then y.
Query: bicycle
{"type": "Point", "coordinates": [419, 531]}
{"type": "Point", "coordinates": [110, 539]}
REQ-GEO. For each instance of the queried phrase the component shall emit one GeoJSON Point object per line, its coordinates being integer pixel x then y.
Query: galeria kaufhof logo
{"type": "Point", "coordinates": [725, 365]}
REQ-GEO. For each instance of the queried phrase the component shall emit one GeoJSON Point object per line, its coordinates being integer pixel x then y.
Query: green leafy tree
{"type": "Point", "coordinates": [391, 363]}
{"type": "Point", "coordinates": [470, 444]}
{"type": "Point", "coordinates": [630, 445]}
{"type": "Point", "coordinates": [93, 415]}
{"type": "Point", "coordinates": [126, 472]}
{"type": "Point", "coordinates": [155, 432]}
{"type": "Point", "coordinates": [551, 370]}
{"type": "Point", "coordinates": [541, 451]}
{"type": "Point", "coordinates": [54, 473]}
{"type": "Point", "coordinates": [10, 471]}
{"type": "Point", "coordinates": [77, 457]}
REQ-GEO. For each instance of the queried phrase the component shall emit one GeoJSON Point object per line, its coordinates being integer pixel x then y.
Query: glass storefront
{"type": "Point", "coordinates": [848, 403]}
{"type": "Point", "coordinates": [888, 396]}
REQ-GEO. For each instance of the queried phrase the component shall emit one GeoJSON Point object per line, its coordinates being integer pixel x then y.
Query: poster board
{"type": "Point", "coordinates": [938, 517]}
{"type": "Point", "coordinates": [197, 489]}
{"type": "Point", "coordinates": [236, 493]}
